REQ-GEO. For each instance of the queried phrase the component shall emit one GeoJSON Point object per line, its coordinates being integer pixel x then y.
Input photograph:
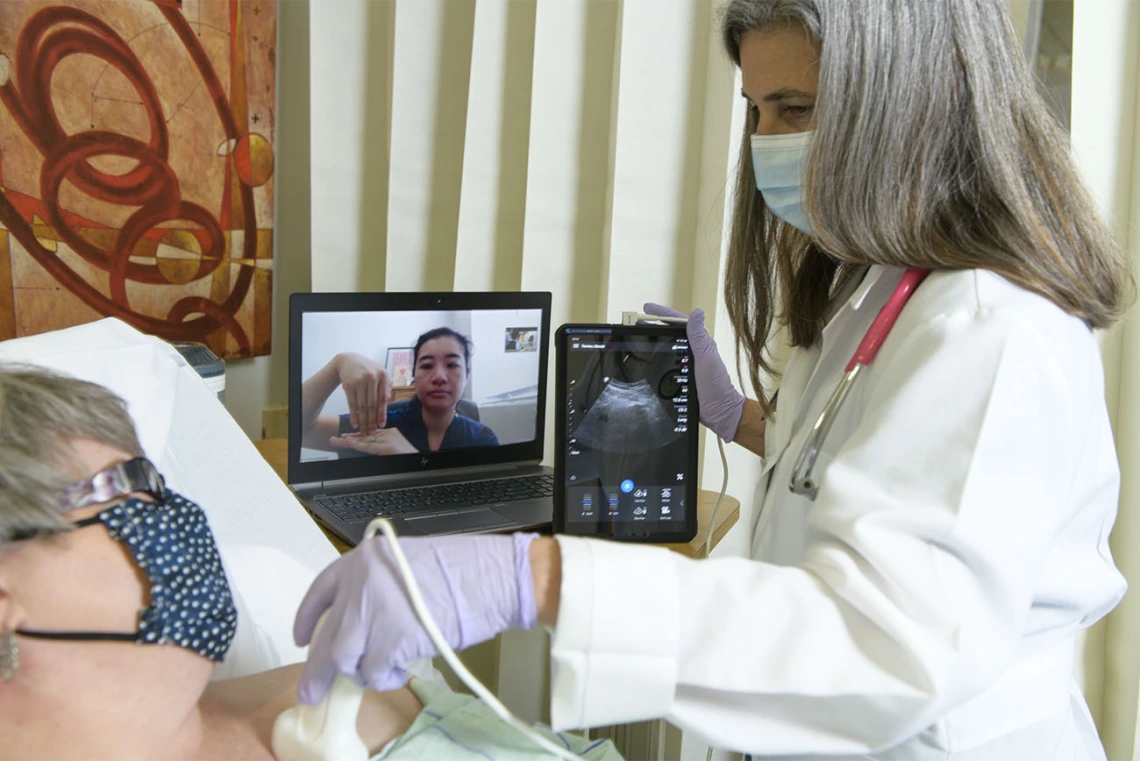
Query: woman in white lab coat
{"type": "Point", "coordinates": [925, 604]}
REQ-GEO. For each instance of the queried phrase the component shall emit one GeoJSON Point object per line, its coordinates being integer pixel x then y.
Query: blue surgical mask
{"type": "Point", "coordinates": [190, 601]}
{"type": "Point", "coordinates": [778, 161]}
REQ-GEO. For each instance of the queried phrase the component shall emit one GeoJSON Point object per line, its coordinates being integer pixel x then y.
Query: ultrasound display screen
{"type": "Point", "coordinates": [629, 427]}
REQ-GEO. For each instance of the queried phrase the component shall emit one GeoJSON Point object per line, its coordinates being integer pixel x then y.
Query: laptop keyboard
{"type": "Point", "coordinates": [364, 506]}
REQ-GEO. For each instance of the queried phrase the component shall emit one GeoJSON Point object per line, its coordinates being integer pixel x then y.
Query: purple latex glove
{"type": "Point", "coordinates": [474, 586]}
{"type": "Point", "coordinates": [721, 404]}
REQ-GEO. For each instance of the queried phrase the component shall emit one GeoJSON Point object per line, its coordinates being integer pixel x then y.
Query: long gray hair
{"type": "Point", "coordinates": [933, 149]}
{"type": "Point", "coordinates": [41, 413]}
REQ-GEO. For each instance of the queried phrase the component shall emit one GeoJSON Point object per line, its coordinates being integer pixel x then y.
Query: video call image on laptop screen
{"type": "Point", "coordinates": [472, 383]}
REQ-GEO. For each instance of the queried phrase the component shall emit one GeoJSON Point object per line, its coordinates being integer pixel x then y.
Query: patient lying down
{"type": "Point", "coordinates": [114, 610]}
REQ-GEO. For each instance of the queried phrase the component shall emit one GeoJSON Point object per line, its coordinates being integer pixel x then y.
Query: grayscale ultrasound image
{"type": "Point", "coordinates": [627, 418]}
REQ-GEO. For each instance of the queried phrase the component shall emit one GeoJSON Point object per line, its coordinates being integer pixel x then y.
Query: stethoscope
{"type": "Point", "coordinates": [802, 482]}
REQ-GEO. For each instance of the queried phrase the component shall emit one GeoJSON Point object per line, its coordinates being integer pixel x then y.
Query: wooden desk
{"type": "Point", "coordinates": [275, 452]}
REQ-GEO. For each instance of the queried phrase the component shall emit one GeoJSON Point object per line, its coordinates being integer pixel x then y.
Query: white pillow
{"type": "Point", "coordinates": [253, 649]}
{"type": "Point", "coordinates": [276, 604]}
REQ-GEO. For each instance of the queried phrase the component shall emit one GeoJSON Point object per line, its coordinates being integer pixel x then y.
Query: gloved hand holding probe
{"type": "Point", "coordinates": [721, 404]}
{"type": "Point", "coordinates": [474, 586]}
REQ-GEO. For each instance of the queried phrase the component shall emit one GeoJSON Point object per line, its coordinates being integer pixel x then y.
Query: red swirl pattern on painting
{"type": "Point", "coordinates": [49, 37]}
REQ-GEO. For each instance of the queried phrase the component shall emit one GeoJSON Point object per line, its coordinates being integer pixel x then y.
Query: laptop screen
{"type": "Point", "coordinates": [464, 374]}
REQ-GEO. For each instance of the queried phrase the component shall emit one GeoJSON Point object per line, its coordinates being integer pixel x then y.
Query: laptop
{"type": "Point", "coordinates": [461, 447]}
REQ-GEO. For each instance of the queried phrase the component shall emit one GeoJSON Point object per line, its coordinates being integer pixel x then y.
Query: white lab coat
{"type": "Point", "coordinates": [925, 605]}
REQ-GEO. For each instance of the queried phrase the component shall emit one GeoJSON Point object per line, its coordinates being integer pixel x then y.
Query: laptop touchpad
{"type": "Point", "coordinates": [475, 520]}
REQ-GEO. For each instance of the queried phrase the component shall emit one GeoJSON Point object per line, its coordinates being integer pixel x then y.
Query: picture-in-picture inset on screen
{"type": "Point", "coordinates": [521, 339]}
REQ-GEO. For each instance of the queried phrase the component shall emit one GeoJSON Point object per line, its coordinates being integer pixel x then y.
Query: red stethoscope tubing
{"type": "Point", "coordinates": [802, 482]}
{"type": "Point", "coordinates": [882, 325]}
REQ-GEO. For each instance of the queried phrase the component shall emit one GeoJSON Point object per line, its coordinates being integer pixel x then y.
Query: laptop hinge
{"type": "Point", "coordinates": [428, 478]}
{"type": "Point", "coordinates": [308, 489]}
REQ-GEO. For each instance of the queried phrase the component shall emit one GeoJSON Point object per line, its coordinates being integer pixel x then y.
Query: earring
{"type": "Point", "coordinates": [9, 657]}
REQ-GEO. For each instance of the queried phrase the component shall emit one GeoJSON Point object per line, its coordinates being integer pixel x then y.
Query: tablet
{"type": "Point", "coordinates": [626, 415]}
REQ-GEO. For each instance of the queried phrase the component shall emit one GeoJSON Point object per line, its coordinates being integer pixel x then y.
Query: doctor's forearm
{"type": "Point", "coordinates": [750, 432]}
{"type": "Point", "coordinates": [546, 571]}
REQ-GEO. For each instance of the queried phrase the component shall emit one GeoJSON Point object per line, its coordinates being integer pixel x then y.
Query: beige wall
{"type": "Point", "coordinates": [253, 385]}
{"type": "Point", "coordinates": [1019, 10]}
{"type": "Point", "coordinates": [1106, 58]}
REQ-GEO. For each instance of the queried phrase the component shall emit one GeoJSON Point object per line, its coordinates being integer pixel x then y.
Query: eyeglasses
{"type": "Point", "coordinates": [137, 475]}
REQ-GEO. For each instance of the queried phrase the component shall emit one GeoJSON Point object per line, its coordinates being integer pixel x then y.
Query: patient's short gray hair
{"type": "Point", "coordinates": [41, 413]}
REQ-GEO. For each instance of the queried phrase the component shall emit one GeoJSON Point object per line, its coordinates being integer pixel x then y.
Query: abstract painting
{"type": "Point", "coordinates": [136, 167]}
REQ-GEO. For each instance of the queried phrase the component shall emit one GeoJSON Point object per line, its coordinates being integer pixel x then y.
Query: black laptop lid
{"type": "Point", "coordinates": [482, 365]}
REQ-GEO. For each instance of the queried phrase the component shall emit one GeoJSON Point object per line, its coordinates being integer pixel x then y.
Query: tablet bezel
{"type": "Point", "coordinates": [687, 528]}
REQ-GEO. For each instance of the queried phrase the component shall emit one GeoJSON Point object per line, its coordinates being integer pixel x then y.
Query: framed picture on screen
{"type": "Point", "coordinates": [401, 365]}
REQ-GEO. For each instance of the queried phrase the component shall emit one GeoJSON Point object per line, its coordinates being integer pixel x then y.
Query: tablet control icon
{"type": "Point", "coordinates": [627, 486]}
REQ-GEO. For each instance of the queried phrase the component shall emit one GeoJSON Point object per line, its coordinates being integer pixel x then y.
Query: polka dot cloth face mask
{"type": "Point", "coordinates": [190, 601]}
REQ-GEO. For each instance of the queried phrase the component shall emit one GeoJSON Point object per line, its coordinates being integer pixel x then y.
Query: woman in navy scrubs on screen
{"type": "Point", "coordinates": [432, 420]}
